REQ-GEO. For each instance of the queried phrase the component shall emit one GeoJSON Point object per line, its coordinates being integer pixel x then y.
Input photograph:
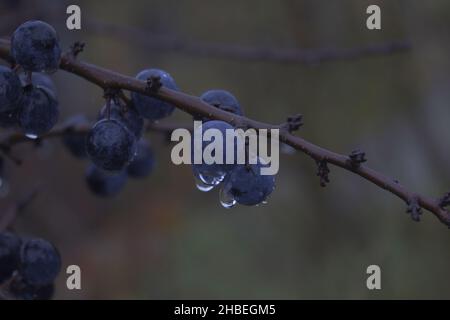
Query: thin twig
{"type": "Point", "coordinates": [193, 105]}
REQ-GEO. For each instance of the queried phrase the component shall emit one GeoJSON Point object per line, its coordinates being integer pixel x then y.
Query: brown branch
{"type": "Point", "coordinates": [195, 106]}
{"type": "Point", "coordinates": [168, 43]}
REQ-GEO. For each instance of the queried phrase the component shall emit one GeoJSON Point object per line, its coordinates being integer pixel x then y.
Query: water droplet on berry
{"type": "Point", "coordinates": [226, 198]}
{"type": "Point", "coordinates": [211, 180]}
{"type": "Point", "coordinates": [203, 186]}
{"type": "Point", "coordinates": [31, 136]}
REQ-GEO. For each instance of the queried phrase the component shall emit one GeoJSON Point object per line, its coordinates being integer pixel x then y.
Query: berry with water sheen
{"type": "Point", "coordinates": [35, 47]}
{"type": "Point", "coordinates": [149, 107]}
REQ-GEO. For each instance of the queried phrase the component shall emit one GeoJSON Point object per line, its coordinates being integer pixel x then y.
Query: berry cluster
{"type": "Point", "coordinates": [28, 267]}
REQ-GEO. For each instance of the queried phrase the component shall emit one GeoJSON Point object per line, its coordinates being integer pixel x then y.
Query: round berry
{"type": "Point", "coordinates": [35, 47]}
{"type": "Point", "coordinates": [39, 112]}
{"type": "Point", "coordinates": [110, 145]}
{"type": "Point", "coordinates": [129, 117]}
{"type": "Point", "coordinates": [40, 262]}
{"type": "Point", "coordinates": [9, 255]}
{"type": "Point", "coordinates": [10, 90]}
{"type": "Point", "coordinates": [149, 107]}
{"type": "Point", "coordinates": [105, 184]}
{"type": "Point", "coordinates": [39, 80]}
{"type": "Point", "coordinates": [143, 163]}
{"type": "Point", "coordinates": [247, 186]}
{"type": "Point", "coordinates": [220, 99]}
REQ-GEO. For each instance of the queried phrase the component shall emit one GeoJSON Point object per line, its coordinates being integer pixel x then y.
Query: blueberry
{"type": "Point", "coordinates": [110, 145]}
{"type": "Point", "coordinates": [9, 255]}
{"type": "Point", "coordinates": [153, 108]}
{"type": "Point", "coordinates": [40, 262]}
{"type": "Point", "coordinates": [247, 186]}
{"type": "Point", "coordinates": [221, 99]}
{"type": "Point", "coordinates": [129, 117]}
{"type": "Point", "coordinates": [10, 90]}
{"type": "Point", "coordinates": [35, 47]}
{"type": "Point", "coordinates": [144, 161]}
{"type": "Point", "coordinates": [74, 141]}
{"type": "Point", "coordinates": [40, 80]}
{"type": "Point", "coordinates": [105, 184]}
{"type": "Point", "coordinates": [40, 111]}
{"type": "Point", "coordinates": [214, 170]}
{"type": "Point", "coordinates": [24, 291]}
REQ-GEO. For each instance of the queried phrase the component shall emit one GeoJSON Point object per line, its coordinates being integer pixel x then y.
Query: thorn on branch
{"type": "Point", "coordinates": [322, 172]}
{"type": "Point", "coordinates": [414, 209]}
{"type": "Point", "coordinates": [357, 157]}
{"type": "Point", "coordinates": [76, 48]}
{"type": "Point", "coordinates": [445, 201]}
{"type": "Point", "coordinates": [293, 123]}
{"type": "Point", "coordinates": [153, 84]}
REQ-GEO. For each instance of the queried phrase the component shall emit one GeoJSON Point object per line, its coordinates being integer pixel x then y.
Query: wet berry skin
{"type": "Point", "coordinates": [144, 162]}
{"type": "Point", "coordinates": [247, 186]}
{"type": "Point", "coordinates": [105, 184]}
{"type": "Point", "coordinates": [24, 291]}
{"type": "Point", "coordinates": [153, 108]}
{"type": "Point", "coordinates": [110, 145]}
{"type": "Point", "coordinates": [221, 99]}
{"type": "Point", "coordinates": [40, 262]}
{"type": "Point", "coordinates": [35, 47]}
{"type": "Point", "coordinates": [10, 90]}
{"type": "Point", "coordinates": [9, 255]}
{"type": "Point", "coordinates": [40, 111]}
{"type": "Point", "coordinates": [130, 118]}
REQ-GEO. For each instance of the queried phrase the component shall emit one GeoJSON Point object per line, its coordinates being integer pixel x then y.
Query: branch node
{"type": "Point", "coordinates": [357, 157]}
{"type": "Point", "coordinates": [414, 209]}
{"type": "Point", "coordinates": [76, 48]}
{"type": "Point", "coordinates": [293, 123]}
{"type": "Point", "coordinates": [322, 172]}
{"type": "Point", "coordinates": [153, 84]}
{"type": "Point", "coordinates": [444, 201]}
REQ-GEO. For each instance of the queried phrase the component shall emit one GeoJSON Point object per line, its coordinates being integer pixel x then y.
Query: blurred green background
{"type": "Point", "coordinates": [163, 239]}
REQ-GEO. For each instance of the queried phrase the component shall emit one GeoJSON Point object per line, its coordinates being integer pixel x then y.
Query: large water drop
{"type": "Point", "coordinates": [226, 198]}
{"type": "Point", "coordinates": [31, 136]}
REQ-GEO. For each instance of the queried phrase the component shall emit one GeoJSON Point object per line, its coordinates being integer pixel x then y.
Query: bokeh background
{"type": "Point", "coordinates": [163, 239]}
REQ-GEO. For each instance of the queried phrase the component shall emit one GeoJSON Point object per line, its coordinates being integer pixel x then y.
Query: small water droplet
{"type": "Point", "coordinates": [226, 198]}
{"type": "Point", "coordinates": [211, 180]}
{"type": "Point", "coordinates": [31, 136]}
{"type": "Point", "coordinates": [201, 185]}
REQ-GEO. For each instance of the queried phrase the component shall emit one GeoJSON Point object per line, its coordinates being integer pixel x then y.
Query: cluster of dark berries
{"type": "Point", "coordinates": [239, 183]}
{"type": "Point", "coordinates": [28, 267]}
{"type": "Point", "coordinates": [27, 96]}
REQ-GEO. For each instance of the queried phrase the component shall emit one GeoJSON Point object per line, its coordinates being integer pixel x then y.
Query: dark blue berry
{"type": "Point", "coordinates": [9, 255]}
{"type": "Point", "coordinates": [24, 291]}
{"type": "Point", "coordinates": [110, 145]}
{"type": "Point", "coordinates": [39, 80]}
{"type": "Point", "coordinates": [40, 111]}
{"type": "Point", "coordinates": [214, 170]}
{"type": "Point", "coordinates": [35, 47]}
{"type": "Point", "coordinates": [10, 90]}
{"type": "Point", "coordinates": [73, 140]}
{"type": "Point", "coordinates": [247, 186]}
{"type": "Point", "coordinates": [129, 117]}
{"type": "Point", "coordinates": [144, 161]}
{"type": "Point", "coordinates": [153, 108]}
{"type": "Point", "coordinates": [105, 184]}
{"type": "Point", "coordinates": [40, 262]}
{"type": "Point", "coordinates": [221, 99]}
